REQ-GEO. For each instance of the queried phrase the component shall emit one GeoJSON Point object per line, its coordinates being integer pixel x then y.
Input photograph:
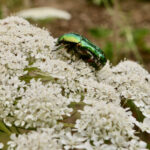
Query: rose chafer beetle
{"type": "Point", "coordinates": [84, 48]}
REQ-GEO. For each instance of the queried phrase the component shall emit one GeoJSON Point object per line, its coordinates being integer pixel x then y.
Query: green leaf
{"type": "Point", "coordinates": [4, 129]}
{"type": "Point", "coordinates": [100, 32]}
{"type": "Point", "coordinates": [135, 110]}
{"type": "Point", "coordinates": [4, 138]}
{"type": "Point", "coordinates": [108, 49]}
{"type": "Point", "coordinates": [102, 2]}
{"type": "Point", "coordinates": [139, 38]}
{"type": "Point", "coordinates": [1, 13]}
{"type": "Point", "coordinates": [140, 33]}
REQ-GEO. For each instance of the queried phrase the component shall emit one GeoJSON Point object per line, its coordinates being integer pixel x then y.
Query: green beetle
{"type": "Point", "coordinates": [84, 48]}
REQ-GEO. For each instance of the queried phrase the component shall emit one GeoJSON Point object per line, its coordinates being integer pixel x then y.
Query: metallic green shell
{"type": "Point", "coordinates": [96, 51]}
{"type": "Point", "coordinates": [70, 37]}
{"type": "Point", "coordinates": [84, 44]}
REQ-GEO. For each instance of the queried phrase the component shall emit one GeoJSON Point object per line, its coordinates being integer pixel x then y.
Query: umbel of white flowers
{"type": "Point", "coordinates": [66, 105]}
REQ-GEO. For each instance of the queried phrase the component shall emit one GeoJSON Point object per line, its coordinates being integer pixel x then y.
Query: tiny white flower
{"type": "Point", "coordinates": [1, 145]}
{"type": "Point", "coordinates": [41, 139]}
{"type": "Point", "coordinates": [145, 125]}
{"type": "Point", "coordinates": [107, 122]}
{"type": "Point", "coordinates": [131, 81]}
{"type": "Point", "coordinates": [72, 141]}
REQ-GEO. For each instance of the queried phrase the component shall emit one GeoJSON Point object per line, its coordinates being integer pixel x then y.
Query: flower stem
{"type": "Point", "coordinates": [4, 128]}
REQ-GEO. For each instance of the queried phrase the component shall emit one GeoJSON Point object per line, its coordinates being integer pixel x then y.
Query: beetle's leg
{"type": "Point", "coordinates": [90, 60]}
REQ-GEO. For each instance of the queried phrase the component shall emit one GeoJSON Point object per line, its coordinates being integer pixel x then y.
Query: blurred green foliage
{"type": "Point", "coordinates": [101, 2]}
{"type": "Point", "coordinates": [1, 13]}
{"type": "Point", "coordinates": [4, 138]}
{"type": "Point", "coordinates": [9, 6]}
{"type": "Point", "coordinates": [14, 4]}
{"type": "Point", "coordinates": [100, 32]}
{"type": "Point", "coordinates": [108, 48]}
{"type": "Point", "coordinates": [140, 36]}
{"type": "Point", "coordinates": [109, 2]}
{"type": "Point", "coordinates": [130, 41]}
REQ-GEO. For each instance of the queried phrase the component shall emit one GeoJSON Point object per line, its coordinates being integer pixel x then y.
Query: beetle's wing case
{"type": "Point", "coordinates": [85, 43]}
{"type": "Point", "coordinates": [94, 50]}
{"type": "Point", "coordinates": [70, 37]}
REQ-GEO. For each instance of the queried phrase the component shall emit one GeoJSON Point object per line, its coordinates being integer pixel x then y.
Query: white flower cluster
{"type": "Point", "coordinates": [41, 106]}
{"type": "Point", "coordinates": [20, 41]}
{"type": "Point", "coordinates": [10, 90]}
{"type": "Point", "coordinates": [77, 79]}
{"type": "Point", "coordinates": [39, 88]}
{"type": "Point", "coordinates": [47, 138]}
{"type": "Point", "coordinates": [132, 82]}
{"type": "Point", "coordinates": [99, 125]}
{"type": "Point", "coordinates": [109, 125]}
{"type": "Point", "coordinates": [94, 91]}
{"type": "Point", "coordinates": [21, 46]}
{"type": "Point", "coordinates": [12, 63]}
{"type": "Point", "coordinates": [43, 139]}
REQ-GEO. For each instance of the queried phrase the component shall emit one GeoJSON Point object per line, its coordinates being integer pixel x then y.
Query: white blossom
{"type": "Point", "coordinates": [43, 13]}
{"type": "Point", "coordinates": [72, 141]}
{"type": "Point", "coordinates": [43, 139]}
{"type": "Point", "coordinates": [132, 82]}
{"type": "Point", "coordinates": [41, 87]}
{"type": "Point", "coordinates": [21, 44]}
{"type": "Point", "coordinates": [56, 68]}
{"type": "Point", "coordinates": [94, 91]}
{"type": "Point", "coordinates": [20, 41]}
{"type": "Point", "coordinates": [11, 88]}
{"type": "Point", "coordinates": [110, 123]}
{"type": "Point", "coordinates": [129, 67]}
{"type": "Point", "coordinates": [145, 125]}
{"type": "Point", "coordinates": [41, 105]}
{"type": "Point", "coordinates": [1, 145]}
{"type": "Point", "coordinates": [105, 72]}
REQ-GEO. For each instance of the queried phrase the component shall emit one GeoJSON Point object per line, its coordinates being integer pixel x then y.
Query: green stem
{"type": "Point", "coordinates": [135, 110]}
{"type": "Point", "coordinates": [68, 125]}
{"type": "Point", "coordinates": [4, 128]}
{"type": "Point", "coordinates": [74, 104]}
